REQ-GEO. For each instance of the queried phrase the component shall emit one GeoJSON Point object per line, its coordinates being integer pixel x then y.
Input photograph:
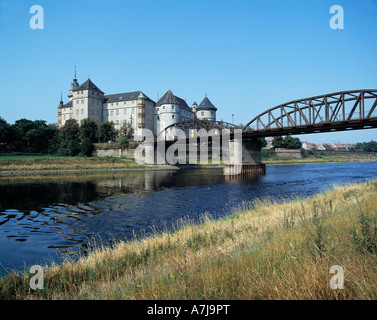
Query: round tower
{"type": "Point", "coordinates": [141, 111]}
{"type": "Point", "coordinates": [206, 110]}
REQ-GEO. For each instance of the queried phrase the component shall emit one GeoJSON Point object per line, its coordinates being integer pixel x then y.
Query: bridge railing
{"type": "Point", "coordinates": [329, 109]}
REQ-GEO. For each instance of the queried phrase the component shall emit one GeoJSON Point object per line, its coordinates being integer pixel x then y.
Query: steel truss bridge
{"type": "Point", "coordinates": [340, 111]}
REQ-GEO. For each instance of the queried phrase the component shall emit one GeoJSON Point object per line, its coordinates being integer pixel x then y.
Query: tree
{"type": "Point", "coordinates": [366, 146]}
{"type": "Point", "coordinates": [278, 142]}
{"type": "Point", "coordinates": [20, 129]}
{"type": "Point", "coordinates": [4, 131]}
{"type": "Point", "coordinates": [69, 139]}
{"type": "Point", "coordinates": [126, 131]}
{"type": "Point", "coordinates": [86, 147]}
{"type": "Point", "coordinates": [88, 129]}
{"type": "Point", "coordinates": [292, 143]}
{"type": "Point", "coordinates": [287, 143]}
{"type": "Point", "coordinates": [107, 132]}
{"type": "Point", "coordinates": [33, 136]}
{"type": "Point", "coordinates": [262, 142]}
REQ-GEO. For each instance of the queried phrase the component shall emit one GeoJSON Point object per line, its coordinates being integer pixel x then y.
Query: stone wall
{"type": "Point", "coordinates": [285, 153]}
{"type": "Point", "coordinates": [114, 152]}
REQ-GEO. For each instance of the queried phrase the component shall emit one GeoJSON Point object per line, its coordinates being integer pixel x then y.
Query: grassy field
{"type": "Point", "coordinates": [52, 162]}
{"type": "Point", "coordinates": [318, 158]}
{"type": "Point", "coordinates": [268, 249]}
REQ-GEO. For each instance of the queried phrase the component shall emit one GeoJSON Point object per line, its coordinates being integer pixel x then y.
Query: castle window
{"type": "Point", "coordinates": [82, 101]}
{"type": "Point", "coordinates": [117, 112]}
{"type": "Point", "coordinates": [125, 111]}
{"type": "Point", "coordinates": [202, 113]}
{"type": "Point", "coordinates": [158, 109]}
{"type": "Point", "coordinates": [77, 112]}
{"type": "Point", "coordinates": [158, 117]}
{"type": "Point", "coordinates": [163, 107]}
{"type": "Point", "coordinates": [172, 116]}
{"type": "Point", "coordinates": [172, 107]}
{"type": "Point", "coordinates": [82, 111]}
{"type": "Point", "coordinates": [112, 113]}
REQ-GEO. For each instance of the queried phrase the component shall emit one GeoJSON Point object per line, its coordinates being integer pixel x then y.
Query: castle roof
{"type": "Point", "coordinates": [88, 85]}
{"type": "Point", "coordinates": [170, 98]}
{"type": "Point", "coordinates": [67, 105]}
{"type": "Point", "coordinates": [206, 105]}
{"type": "Point", "coordinates": [126, 96]}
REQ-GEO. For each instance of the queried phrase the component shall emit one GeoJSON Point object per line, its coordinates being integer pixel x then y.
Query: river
{"type": "Point", "coordinates": [47, 218]}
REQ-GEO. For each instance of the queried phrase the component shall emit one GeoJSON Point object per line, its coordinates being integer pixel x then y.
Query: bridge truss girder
{"type": "Point", "coordinates": [339, 111]}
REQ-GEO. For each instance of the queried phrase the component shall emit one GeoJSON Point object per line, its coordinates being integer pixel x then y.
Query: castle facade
{"type": "Point", "coordinates": [136, 108]}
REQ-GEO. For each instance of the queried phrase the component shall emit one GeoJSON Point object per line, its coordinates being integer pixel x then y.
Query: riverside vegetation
{"type": "Point", "coordinates": [12, 162]}
{"type": "Point", "coordinates": [267, 249]}
{"type": "Point", "coordinates": [36, 162]}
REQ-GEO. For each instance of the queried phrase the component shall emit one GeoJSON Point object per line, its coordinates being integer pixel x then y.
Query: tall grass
{"type": "Point", "coordinates": [268, 249]}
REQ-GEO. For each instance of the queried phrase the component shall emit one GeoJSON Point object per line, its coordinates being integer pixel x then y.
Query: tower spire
{"type": "Point", "coordinates": [61, 100]}
{"type": "Point", "coordinates": [74, 78]}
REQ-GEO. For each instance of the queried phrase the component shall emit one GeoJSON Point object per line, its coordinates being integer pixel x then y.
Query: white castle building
{"type": "Point", "coordinates": [88, 101]}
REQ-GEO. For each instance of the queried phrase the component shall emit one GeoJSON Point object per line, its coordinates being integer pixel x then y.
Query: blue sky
{"type": "Point", "coordinates": [247, 56]}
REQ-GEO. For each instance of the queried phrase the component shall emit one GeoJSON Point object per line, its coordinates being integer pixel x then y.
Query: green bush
{"type": "Point", "coordinates": [87, 148]}
{"type": "Point", "coordinates": [122, 143]}
{"type": "Point", "coordinates": [133, 145]}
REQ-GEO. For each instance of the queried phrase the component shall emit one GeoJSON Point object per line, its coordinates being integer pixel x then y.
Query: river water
{"type": "Point", "coordinates": [47, 218]}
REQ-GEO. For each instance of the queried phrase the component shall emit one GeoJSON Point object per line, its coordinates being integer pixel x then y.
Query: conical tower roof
{"type": "Point", "coordinates": [206, 105]}
{"type": "Point", "coordinates": [168, 98]}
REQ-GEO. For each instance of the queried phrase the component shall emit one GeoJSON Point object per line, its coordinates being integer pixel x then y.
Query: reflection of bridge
{"type": "Point", "coordinates": [340, 111]}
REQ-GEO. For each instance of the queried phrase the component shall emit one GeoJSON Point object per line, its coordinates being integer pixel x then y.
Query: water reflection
{"type": "Point", "coordinates": [43, 216]}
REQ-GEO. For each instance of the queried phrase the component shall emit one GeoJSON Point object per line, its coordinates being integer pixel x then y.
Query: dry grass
{"type": "Point", "coordinates": [277, 250]}
{"type": "Point", "coordinates": [36, 163]}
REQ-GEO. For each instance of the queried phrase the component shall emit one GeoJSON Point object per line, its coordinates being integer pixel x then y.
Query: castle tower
{"type": "Point", "coordinates": [167, 111]}
{"type": "Point", "coordinates": [87, 101]}
{"type": "Point", "coordinates": [60, 110]}
{"type": "Point", "coordinates": [206, 110]}
{"type": "Point", "coordinates": [74, 86]}
{"type": "Point", "coordinates": [194, 107]}
{"type": "Point", "coordinates": [140, 113]}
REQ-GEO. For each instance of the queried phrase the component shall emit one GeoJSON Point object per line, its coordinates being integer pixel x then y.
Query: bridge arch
{"type": "Point", "coordinates": [338, 111]}
{"type": "Point", "coordinates": [169, 132]}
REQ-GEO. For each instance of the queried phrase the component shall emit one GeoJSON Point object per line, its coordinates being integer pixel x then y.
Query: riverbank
{"type": "Point", "coordinates": [320, 158]}
{"type": "Point", "coordinates": [277, 250]}
{"type": "Point", "coordinates": [11, 165]}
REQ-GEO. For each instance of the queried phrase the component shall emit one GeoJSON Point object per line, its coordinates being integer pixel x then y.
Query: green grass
{"type": "Point", "coordinates": [11, 162]}
{"type": "Point", "coordinates": [319, 158]}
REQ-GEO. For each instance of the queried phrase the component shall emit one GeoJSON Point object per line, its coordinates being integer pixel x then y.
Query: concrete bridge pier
{"type": "Point", "coordinates": [245, 158]}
